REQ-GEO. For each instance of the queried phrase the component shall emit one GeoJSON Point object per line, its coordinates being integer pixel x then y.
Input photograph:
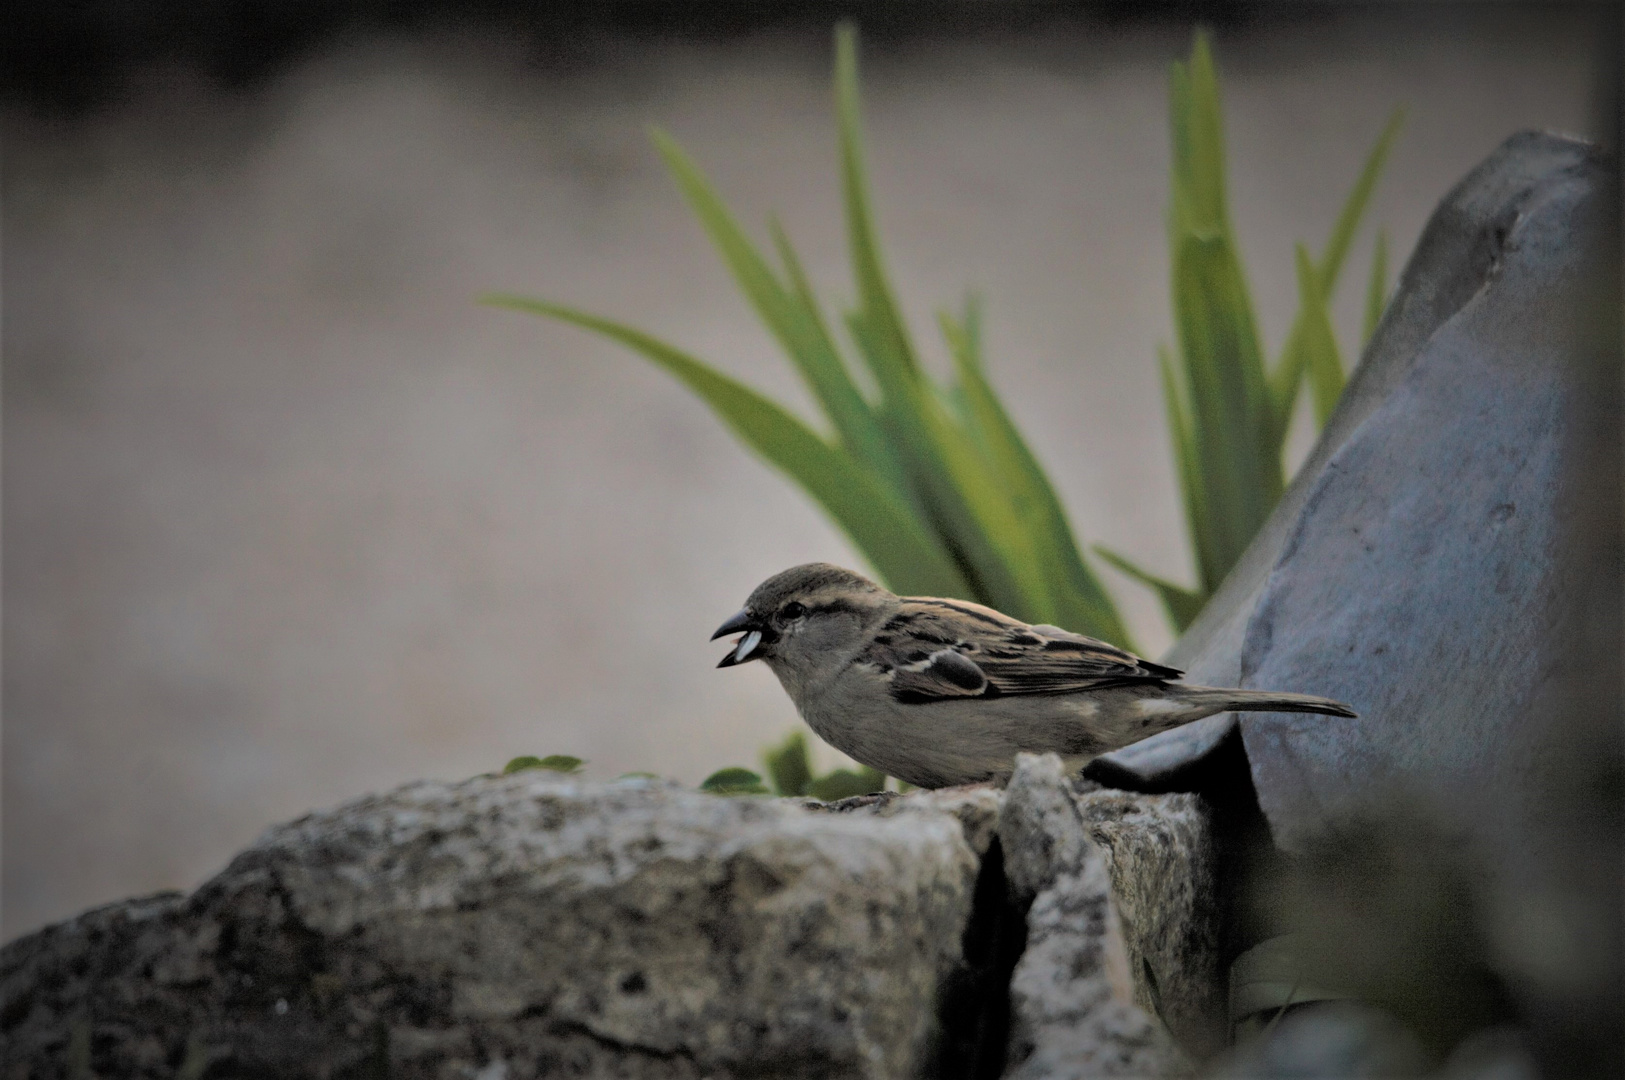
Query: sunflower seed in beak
{"type": "Point", "coordinates": [747, 645]}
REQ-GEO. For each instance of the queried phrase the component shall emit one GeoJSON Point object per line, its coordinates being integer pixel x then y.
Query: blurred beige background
{"type": "Point", "coordinates": [288, 518]}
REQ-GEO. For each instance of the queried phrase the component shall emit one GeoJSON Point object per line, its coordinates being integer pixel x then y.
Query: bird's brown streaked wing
{"type": "Point", "coordinates": [936, 650]}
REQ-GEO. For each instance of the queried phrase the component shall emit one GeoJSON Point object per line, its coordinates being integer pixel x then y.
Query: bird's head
{"type": "Point", "coordinates": [805, 619]}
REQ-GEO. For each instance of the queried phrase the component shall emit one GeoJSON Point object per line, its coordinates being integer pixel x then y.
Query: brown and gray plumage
{"type": "Point", "coordinates": [940, 692]}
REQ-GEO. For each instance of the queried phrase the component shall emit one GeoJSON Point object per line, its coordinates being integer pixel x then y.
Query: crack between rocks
{"type": "Point", "coordinates": [619, 1046]}
{"type": "Point", "coordinates": [973, 1007]}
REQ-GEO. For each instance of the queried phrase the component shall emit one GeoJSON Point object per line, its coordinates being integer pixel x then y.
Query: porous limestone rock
{"type": "Point", "coordinates": [1161, 856]}
{"type": "Point", "coordinates": [974, 806]}
{"type": "Point", "coordinates": [518, 926]}
{"type": "Point", "coordinates": [532, 925]}
{"type": "Point", "coordinates": [1081, 850]}
{"type": "Point", "coordinates": [1072, 995]}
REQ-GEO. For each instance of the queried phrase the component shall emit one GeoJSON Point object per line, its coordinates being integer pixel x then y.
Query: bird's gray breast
{"type": "Point", "coordinates": [943, 741]}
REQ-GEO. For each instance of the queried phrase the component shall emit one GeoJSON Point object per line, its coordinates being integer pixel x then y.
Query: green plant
{"type": "Point", "coordinates": [1228, 414]}
{"type": "Point", "coordinates": [791, 773]}
{"type": "Point", "coordinates": [788, 766]}
{"type": "Point", "coordinates": [932, 482]}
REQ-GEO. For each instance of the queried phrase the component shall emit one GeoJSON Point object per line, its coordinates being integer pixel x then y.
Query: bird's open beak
{"type": "Point", "coordinates": [747, 646]}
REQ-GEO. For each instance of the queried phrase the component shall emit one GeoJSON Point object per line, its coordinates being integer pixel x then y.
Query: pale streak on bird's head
{"type": "Point", "coordinates": [811, 584]}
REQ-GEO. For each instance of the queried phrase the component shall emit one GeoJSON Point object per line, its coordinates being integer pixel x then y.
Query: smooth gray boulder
{"type": "Point", "coordinates": [519, 926]}
{"type": "Point", "coordinates": [1448, 563]}
{"type": "Point", "coordinates": [1422, 583]}
{"type": "Point", "coordinates": [1411, 569]}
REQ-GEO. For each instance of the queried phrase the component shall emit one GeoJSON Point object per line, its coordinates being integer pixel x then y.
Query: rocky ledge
{"type": "Point", "coordinates": [528, 925]}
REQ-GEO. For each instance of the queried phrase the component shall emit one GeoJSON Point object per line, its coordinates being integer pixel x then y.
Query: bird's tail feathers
{"type": "Point", "coordinates": [1222, 700]}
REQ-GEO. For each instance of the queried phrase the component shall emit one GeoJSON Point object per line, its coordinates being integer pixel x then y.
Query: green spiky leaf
{"type": "Point", "coordinates": [1182, 605]}
{"type": "Point", "coordinates": [959, 494]}
{"type": "Point", "coordinates": [1322, 360]}
{"type": "Point", "coordinates": [887, 533]}
{"type": "Point", "coordinates": [787, 311]}
{"type": "Point", "coordinates": [787, 765]}
{"type": "Point", "coordinates": [1238, 469]}
{"type": "Point", "coordinates": [1228, 413]}
{"type": "Point", "coordinates": [1074, 596]}
{"type": "Point", "coordinates": [1354, 207]}
{"type": "Point", "coordinates": [1287, 378]}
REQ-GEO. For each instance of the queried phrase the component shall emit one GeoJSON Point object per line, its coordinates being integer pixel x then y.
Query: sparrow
{"type": "Point", "coordinates": [943, 692]}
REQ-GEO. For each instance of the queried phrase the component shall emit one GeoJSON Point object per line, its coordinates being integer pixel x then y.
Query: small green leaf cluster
{"type": "Point", "coordinates": [791, 774]}
{"type": "Point", "coordinates": [787, 764]}
{"type": "Point", "coordinates": [734, 780]}
{"type": "Point", "coordinates": [559, 763]}
{"type": "Point", "coordinates": [1228, 413]}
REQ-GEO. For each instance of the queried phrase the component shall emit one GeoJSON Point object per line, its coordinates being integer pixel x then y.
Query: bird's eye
{"type": "Point", "coordinates": [793, 610]}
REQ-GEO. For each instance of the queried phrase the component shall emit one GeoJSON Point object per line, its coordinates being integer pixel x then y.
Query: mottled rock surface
{"type": "Point", "coordinates": [1116, 894]}
{"type": "Point", "coordinates": [530, 925]}
{"type": "Point", "coordinates": [1072, 996]}
{"type": "Point", "coordinates": [1160, 853]}
{"type": "Point", "coordinates": [975, 807]}
{"type": "Point", "coordinates": [522, 926]}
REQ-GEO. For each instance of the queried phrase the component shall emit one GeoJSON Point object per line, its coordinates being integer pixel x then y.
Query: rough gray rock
{"type": "Point", "coordinates": [531, 925]}
{"type": "Point", "coordinates": [1070, 852]}
{"type": "Point", "coordinates": [1072, 995]}
{"type": "Point", "coordinates": [974, 806]}
{"type": "Point", "coordinates": [519, 926]}
{"type": "Point", "coordinates": [1411, 569]}
{"type": "Point", "coordinates": [1161, 855]}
